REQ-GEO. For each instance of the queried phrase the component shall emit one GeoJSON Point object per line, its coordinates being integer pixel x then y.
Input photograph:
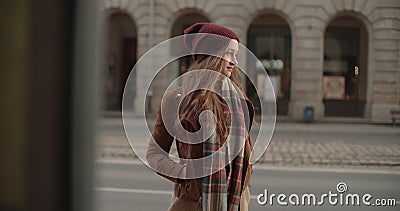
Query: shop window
{"type": "Point", "coordinates": [341, 63]}
{"type": "Point", "coordinates": [272, 46]}
{"type": "Point", "coordinates": [345, 67]}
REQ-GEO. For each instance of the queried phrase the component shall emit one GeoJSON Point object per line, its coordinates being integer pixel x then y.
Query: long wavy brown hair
{"type": "Point", "coordinates": [196, 102]}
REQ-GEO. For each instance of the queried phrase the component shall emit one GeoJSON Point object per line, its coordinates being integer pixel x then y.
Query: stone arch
{"type": "Point", "coordinates": [353, 14]}
{"type": "Point", "coordinates": [272, 11]}
{"type": "Point", "coordinates": [173, 20]}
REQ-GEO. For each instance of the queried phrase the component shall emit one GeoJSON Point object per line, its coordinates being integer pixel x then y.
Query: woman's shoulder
{"type": "Point", "coordinates": [171, 96]}
{"type": "Point", "coordinates": [173, 92]}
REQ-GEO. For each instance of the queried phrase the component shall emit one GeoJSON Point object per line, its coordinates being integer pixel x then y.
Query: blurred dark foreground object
{"type": "Point", "coordinates": [48, 103]}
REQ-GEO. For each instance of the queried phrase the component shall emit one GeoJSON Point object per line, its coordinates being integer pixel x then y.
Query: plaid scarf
{"type": "Point", "coordinates": [221, 191]}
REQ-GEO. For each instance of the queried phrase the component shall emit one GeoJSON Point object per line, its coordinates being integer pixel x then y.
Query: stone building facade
{"type": "Point", "coordinates": [340, 57]}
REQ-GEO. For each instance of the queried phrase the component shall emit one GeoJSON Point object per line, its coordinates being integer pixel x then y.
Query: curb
{"type": "Point", "coordinates": [278, 168]}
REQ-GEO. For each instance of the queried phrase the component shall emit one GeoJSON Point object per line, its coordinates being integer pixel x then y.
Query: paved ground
{"type": "Point", "coordinates": [318, 145]}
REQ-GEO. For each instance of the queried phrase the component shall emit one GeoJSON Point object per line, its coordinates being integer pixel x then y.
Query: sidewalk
{"type": "Point", "coordinates": [299, 145]}
{"type": "Point", "coordinates": [342, 128]}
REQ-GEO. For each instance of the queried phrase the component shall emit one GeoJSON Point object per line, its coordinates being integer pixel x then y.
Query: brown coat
{"type": "Point", "coordinates": [186, 189]}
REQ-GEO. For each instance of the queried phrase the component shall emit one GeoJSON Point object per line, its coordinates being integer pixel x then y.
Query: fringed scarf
{"type": "Point", "coordinates": [221, 191]}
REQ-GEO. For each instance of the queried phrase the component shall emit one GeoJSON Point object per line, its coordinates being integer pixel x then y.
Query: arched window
{"type": "Point", "coordinates": [269, 38]}
{"type": "Point", "coordinates": [344, 78]}
{"type": "Point", "coordinates": [120, 57]}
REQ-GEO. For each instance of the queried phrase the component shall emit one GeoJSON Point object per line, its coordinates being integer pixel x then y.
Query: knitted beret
{"type": "Point", "coordinates": [203, 40]}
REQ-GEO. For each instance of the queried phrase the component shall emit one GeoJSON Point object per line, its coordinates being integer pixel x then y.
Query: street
{"type": "Point", "coordinates": [301, 159]}
{"type": "Point", "coordinates": [129, 185]}
{"type": "Point", "coordinates": [320, 145]}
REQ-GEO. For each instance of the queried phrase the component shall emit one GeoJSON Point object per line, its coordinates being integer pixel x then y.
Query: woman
{"type": "Point", "coordinates": [226, 188]}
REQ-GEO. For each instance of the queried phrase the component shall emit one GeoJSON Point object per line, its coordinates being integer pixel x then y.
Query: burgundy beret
{"type": "Point", "coordinates": [203, 41]}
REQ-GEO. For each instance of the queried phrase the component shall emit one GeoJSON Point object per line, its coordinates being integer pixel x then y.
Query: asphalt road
{"type": "Point", "coordinates": [132, 186]}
